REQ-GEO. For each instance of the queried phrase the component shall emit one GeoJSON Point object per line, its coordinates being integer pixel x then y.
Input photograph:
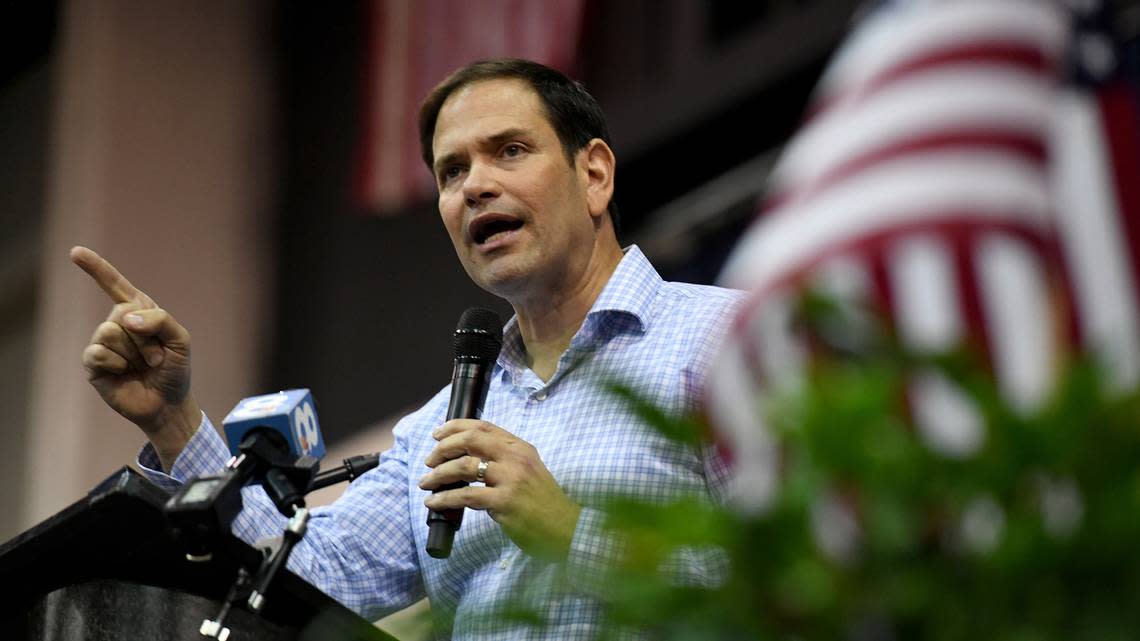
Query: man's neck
{"type": "Point", "coordinates": [549, 322]}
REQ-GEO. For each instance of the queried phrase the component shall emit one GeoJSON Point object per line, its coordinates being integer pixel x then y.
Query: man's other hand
{"type": "Point", "coordinates": [518, 491]}
{"type": "Point", "coordinates": [139, 361]}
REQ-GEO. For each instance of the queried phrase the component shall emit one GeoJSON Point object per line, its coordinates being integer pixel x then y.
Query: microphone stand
{"type": "Point", "coordinates": [351, 469]}
{"type": "Point", "coordinates": [204, 508]}
{"type": "Point", "coordinates": [283, 492]}
{"type": "Point", "coordinates": [282, 486]}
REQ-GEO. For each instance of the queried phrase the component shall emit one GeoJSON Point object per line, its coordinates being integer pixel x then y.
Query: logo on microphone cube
{"type": "Point", "coordinates": [305, 427]}
{"type": "Point", "coordinates": [291, 414]}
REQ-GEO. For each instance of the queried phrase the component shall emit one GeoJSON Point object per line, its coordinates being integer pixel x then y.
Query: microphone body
{"type": "Point", "coordinates": [470, 381]}
{"type": "Point", "coordinates": [478, 339]}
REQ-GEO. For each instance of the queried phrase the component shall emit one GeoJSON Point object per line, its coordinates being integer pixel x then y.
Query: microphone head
{"type": "Point", "coordinates": [479, 335]}
{"type": "Point", "coordinates": [289, 414]}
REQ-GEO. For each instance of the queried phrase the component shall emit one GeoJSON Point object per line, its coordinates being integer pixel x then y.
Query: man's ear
{"type": "Point", "coordinates": [598, 162]}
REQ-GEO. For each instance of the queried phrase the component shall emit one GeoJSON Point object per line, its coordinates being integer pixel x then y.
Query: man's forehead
{"type": "Point", "coordinates": [489, 89]}
{"type": "Point", "coordinates": [485, 108]}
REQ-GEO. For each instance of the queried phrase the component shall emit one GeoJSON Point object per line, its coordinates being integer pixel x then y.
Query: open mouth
{"type": "Point", "coordinates": [488, 227]}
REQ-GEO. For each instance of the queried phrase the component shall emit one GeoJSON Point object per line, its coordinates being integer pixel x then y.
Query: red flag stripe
{"type": "Point", "coordinates": [968, 99]}
{"type": "Point", "coordinates": [1021, 56]}
{"type": "Point", "coordinates": [415, 44]}
{"type": "Point", "coordinates": [410, 174]}
{"type": "Point", "coordinates": [965, 271]}
{"type": "Point", "coordinates": [1120, 117]}
{"type": "Point", "coordinates": [889, 37]}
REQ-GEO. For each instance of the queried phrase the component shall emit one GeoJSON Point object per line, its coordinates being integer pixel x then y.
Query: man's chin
{"type": "Point", "coordinates": [504, 276]}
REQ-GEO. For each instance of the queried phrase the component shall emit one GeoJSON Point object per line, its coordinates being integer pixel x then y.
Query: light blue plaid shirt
{"type": "Point", "coordinates": [367, 549]}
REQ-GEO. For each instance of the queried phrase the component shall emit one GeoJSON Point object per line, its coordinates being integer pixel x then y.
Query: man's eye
{"type": "Point", "coordinates": [512, 150]}
{"type": "Point", "coordinates": [449, 173]}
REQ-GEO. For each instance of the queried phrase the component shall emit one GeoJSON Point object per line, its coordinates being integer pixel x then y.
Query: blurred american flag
{"type": "Point", "coordinates": [948, 178]}
{"type": "Point", "coordinates": [413, 45]}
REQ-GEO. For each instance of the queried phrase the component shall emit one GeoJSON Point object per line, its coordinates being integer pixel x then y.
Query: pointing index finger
{"type": "Point", "coordinates": [104, 274]}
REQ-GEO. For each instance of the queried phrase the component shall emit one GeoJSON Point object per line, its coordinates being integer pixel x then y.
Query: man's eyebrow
{"type": "Point", "coordinates": [506, 135]}
{"type": "Point", "coordinates": [493, 140]}
{"type": "Point", "coordinates": [444, 161]}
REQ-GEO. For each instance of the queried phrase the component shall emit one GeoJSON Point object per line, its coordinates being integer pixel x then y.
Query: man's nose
{"type": "Point", "coordinates": [480, 185]}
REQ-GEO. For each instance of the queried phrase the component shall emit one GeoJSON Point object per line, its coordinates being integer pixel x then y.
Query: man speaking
{"type": "Point", "coordinates": [525, 172]}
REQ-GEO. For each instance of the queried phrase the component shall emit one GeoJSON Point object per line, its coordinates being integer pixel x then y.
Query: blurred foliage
{"type": "Point", "coordinates": [1031, 535]}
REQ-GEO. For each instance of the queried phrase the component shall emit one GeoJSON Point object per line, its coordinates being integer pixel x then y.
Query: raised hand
{"type": "Point", "coordinates": [139, 360]}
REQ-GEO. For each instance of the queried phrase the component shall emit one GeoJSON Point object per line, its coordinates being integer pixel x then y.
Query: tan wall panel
{"type": "Point", "coordinates": [161, 162]}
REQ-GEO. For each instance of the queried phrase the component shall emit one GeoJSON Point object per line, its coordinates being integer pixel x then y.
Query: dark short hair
{"type": "Point", "coordinates": [574, 114]}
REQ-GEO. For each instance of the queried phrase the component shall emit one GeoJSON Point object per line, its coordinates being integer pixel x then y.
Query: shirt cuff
{"type": "Point", "coordinates": [205, 454]}
{"type": "Point", "coordinates": [593, 551]}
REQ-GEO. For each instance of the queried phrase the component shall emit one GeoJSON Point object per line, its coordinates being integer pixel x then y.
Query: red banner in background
{"type": "Point", "coordinates": [412, 46]}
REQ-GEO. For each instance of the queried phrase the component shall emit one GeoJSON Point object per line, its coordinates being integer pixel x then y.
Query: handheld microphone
{"type": "Point", "coordinates": [478, 339]}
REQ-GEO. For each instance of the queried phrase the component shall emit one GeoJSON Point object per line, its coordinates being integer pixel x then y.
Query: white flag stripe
{"type": "Point", "coordinates": [980, 186]}
{"type": "Point", "coordinates": [754, 480]}
{"type": "Point", "coordinates": [925, 292]}
{"type": "Point", "coordinates": [1094, 244]}
{"type": "Point", "coordinates": [781, 354]}
{"type": "Point", "coordinates": [890, 38]}
{"type": "Point", "coordinates": [972, 99]}
{"type": "Point", "coordinates": [842, 278]}
{"type": "Point", "coordinates": [947, 419]}
{"type": "Point", "coordinates": [1017, 305]}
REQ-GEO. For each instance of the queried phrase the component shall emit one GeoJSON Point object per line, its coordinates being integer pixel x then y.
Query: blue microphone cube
{"type": "Point", "coordinates": [290, 413]}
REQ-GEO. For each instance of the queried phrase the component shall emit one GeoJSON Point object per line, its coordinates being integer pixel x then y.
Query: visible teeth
{"type": "Point", "coordinates": [492, 236]}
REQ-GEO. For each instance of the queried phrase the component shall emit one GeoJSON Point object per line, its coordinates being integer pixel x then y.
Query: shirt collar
{"type": "Point", "coordinates": [627, 296]}
{"type": "Point", "coordinates": [631, 289]}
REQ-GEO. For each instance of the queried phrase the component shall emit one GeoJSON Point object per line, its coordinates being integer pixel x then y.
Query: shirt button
{"type": "Point", "coordinates": [540, 395]}
{"type": "Point", "coordinates": [503, 564]}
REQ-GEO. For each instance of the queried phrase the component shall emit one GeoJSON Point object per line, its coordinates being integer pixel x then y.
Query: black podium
{"type": "Point", "coordinates": [106, 568]}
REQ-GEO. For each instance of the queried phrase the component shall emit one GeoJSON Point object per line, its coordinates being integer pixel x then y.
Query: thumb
{"type": "Point", "coordinates": [159, 324]}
